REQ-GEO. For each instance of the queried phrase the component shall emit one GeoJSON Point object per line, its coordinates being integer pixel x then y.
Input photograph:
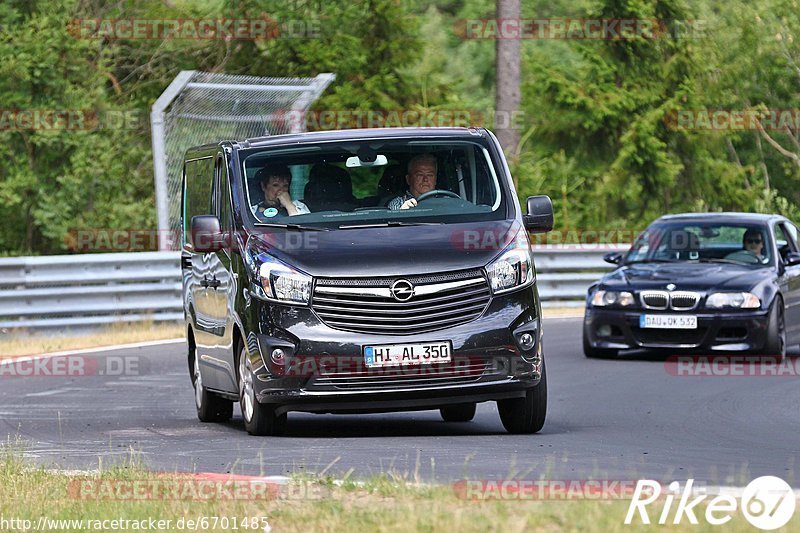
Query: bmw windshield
{"type": "Point", "coordinates": [730, 242]}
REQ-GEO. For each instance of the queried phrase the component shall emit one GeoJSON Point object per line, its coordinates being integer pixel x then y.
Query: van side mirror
{"type": "Point", "coordinates": [540, 214]}
{"type": "Point", "coordinates": [613, 257]}
{"type": "Point", "coordinates": [792, 258]}
{"type": "Point", "coordinates": [206, 234]}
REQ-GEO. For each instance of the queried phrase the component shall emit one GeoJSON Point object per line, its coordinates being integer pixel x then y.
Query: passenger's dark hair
{"type": "Point", "coordinates": [275, 171]}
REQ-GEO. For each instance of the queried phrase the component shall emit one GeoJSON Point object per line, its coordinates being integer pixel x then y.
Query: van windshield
{"type": "Point", "coordinates": [361, 183]}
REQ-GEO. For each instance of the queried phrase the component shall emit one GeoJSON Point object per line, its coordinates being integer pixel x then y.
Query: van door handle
{"type": "Point", "coordinates": [212, 283]}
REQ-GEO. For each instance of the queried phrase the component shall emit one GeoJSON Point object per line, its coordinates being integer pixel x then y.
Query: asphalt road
{"type": "Point", "coordinates": [616, 420]}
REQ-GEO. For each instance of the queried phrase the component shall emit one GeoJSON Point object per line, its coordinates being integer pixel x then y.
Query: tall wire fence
{"type": "Point", "coordinates": [200, 108]}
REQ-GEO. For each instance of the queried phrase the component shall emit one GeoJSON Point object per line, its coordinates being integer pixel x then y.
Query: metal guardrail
{"type": "Point", "coordinates": [89, 290]}
{"type": "Point", "coordinates": [564, 272]}
{"type": "Point", "coordinates": [95, 289]}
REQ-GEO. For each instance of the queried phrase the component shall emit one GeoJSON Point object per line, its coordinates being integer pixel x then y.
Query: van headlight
{"type": "Point", "coordinates": [740, 300]}
{"type": "Point", "coordinates": [277, 281]}
{"type": "Point", "coordinates": [514, 268]}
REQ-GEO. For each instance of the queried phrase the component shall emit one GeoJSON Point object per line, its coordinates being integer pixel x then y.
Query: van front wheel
{"type": "Point", "coordinates": [526, 415]}
{"type": "Point", "coordinates": [259, 419]}
{"type": "Point", "coordinates": [210, 407]}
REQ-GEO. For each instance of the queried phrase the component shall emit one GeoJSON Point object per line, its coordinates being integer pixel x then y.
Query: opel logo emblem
{"type": "Point", "coordinates": [402, 290]}
{"type": "Point", "coordinates": [671, 287]}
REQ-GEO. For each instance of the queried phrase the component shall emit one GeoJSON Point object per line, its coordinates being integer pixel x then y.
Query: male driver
{"type": "Point", "coordinates": [274, 182]}
{"type": "Point", "coordinates": [421, 178]}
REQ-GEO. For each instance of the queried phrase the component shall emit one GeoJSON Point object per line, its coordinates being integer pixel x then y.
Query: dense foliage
{"type": "Point", "coordinates": [598, 116]}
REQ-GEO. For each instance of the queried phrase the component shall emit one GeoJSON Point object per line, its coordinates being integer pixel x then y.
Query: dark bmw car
{"type": "Point", "coordinates": [705, 282]}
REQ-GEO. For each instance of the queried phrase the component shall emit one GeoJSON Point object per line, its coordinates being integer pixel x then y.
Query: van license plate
{"type": "Point", "coordinates": [668, 321]}
{"type": "Point", "coordinates": [407, 354]}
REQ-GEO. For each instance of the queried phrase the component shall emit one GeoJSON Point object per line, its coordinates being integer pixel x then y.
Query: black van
{"type": "Point", "coordinates": [361, 271]}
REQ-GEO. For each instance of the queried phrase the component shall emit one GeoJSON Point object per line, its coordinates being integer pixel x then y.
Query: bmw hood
{"type": "Point", "coordinates": [686, 276]}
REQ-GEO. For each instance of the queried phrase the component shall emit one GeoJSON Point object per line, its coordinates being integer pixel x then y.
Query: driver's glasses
{"type": "Point", "coordinates": [753, 240]}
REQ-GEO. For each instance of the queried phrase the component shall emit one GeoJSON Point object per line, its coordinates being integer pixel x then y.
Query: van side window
{"type": "Point", "coordinates": [198, 191]}
{"type": "Point", "coordinates": [188, 167]}
{"type": "Point", "coordinates": [222, 194]}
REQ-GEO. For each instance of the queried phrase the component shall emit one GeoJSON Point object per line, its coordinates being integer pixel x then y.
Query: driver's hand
{"type": "Point", "coordinates": [409, 203]}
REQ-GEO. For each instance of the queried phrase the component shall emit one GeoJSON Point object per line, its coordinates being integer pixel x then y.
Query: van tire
{"type": "Point", "coordinates": [526, 415]}
{"type": "Point", "coordinates": [462, 412]}
{"type": "Point", "coordinates": [259, 419]}
{"type": "Point", "coordinates": [210, 407]}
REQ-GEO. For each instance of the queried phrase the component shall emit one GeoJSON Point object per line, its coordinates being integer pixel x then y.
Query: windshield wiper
{"type": "Point", "coordinates": [731, 261]}
{"type": "Point", "coordinates": [389, 223]}
{"type": "Point", "coordinates": [638, 261]}
{"type": "Point", "coordinates": [298, 227]}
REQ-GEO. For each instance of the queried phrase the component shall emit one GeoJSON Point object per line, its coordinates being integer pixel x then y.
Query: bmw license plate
{"type": "Point", "coordinates": [668, 321]}
{"type": "Point", "coordinates": [407, 354]}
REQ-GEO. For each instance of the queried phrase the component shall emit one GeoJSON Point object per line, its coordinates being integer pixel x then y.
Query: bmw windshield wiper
{"type": "Point", "coordinates": [711, 260]}
{"type": "Point", "coordinates": [390, 223]}
{"type": "Point", "coordinates": [638, 261]}
{"type": "Point", "coordinates": [298, 227]}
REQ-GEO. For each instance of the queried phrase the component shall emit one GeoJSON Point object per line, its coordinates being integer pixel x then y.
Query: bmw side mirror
{"type": "Point", "coordinates": [614, 258]}
{"type": "Point", "coordinates": [206, 234]}
{"type": "Point", "coordinates": [792, 258]}
{"type": "Point", "coordinates": [540, 214]}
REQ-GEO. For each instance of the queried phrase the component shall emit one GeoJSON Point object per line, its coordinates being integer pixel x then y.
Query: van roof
{"type": "Point", "coordinates": [342, 135]}
{"type": "Point", "coordinates": [363, 133]}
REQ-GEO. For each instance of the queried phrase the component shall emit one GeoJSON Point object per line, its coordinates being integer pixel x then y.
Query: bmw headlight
{"type": "Point", "coordinates": [740, 300]}
{"type": "Point", "coordinates": [279, 282]}
{"type": "Point", "coordinates": [513, 269]}
{"type": "Point", "coordinates": [606, 298]}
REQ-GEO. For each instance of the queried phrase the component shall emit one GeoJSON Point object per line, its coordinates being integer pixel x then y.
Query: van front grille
{"type": "Point", "coordinates": [401, 305]}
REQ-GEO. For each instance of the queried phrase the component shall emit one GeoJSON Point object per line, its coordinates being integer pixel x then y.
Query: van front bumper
{"type": "Point", "coordinates": [322, 368]}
